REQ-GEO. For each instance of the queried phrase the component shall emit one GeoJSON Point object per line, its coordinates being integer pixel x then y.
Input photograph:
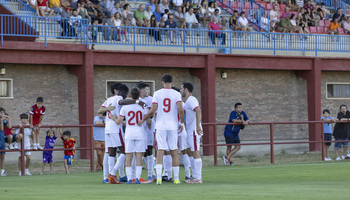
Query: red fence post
{"type": "Point", "coordinates": [322, 138]}
{"type": "Point", "coordinates": [92, 152]}
{"type": "Point", "coordinates": [22, 152]}
{"type": "Point", "coordinates": [215, 145]}
{"type": "Point", "coordinates": [271, 144]}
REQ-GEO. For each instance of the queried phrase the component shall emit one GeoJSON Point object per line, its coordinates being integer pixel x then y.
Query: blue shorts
{"type": "Point", "coordinates": [328, 137]}
{"type": "Point", "coordinates": [232, 140]}
{"type": "Point", "coordinates": [47, 158]}
{"type": "Point", "coordinates": [13, 138]}
{"type": "Point", "coordinates": [69, 159]}
{"type": "Point", "coordinates": [2, 143]}
{"type": "Point", "coordinates": [338, 145]}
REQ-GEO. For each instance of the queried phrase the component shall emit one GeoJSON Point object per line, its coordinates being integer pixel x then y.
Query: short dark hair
{"type": "Point", "coordinates": [342, 106]}
{"type": "Point", "coordinates": [125, 6]}
{"type": "Point", "coordinates": [123, 90]}
{"type": "Point", "coordinates": [322, 4]}
{"type": "Point", "coordinates": [115, 86]}
{"type": "Point", "coordinates": [167, 78]}
{"type": "Point", "coordinates": [217, 10]}
{"type": "Point", "coordinates": [175, 88]}
{"type": "Point", "coordinates": [188, 86]}
{"type": "Point", "coordinates": [135, 93]}
{"type": "Point", "coordinates": [142, 85]}
{"type": "Point", "coordinates": [47, 132]}
{"type": "Point", "coordinates": [238, 104]}
{"type": "Point", "coordinates": [67, 133]}
{"type": "Point", "coordinates": [326, 111]}
{"type": "Point", "coordinates": [2, 109]}
{"type": "Point", "coordinates": [23, 116]}
{"type": "Point", "coordinates": [40, 99]}
{"type": "Point", "coordinates": [166, 10]}
{"type": "Point", "coordinates": [235, 11]}
{"type": "Point", "coordinates": [242, 12]}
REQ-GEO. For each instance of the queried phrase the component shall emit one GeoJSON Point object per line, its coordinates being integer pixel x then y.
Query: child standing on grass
{"type": "Point", "coordinates": [37, 113]}
{"type": "Point", "coordinates": [49, 144]}
{"type": "Point", "coordinates": [327, 132]}
{"type": "Point", "coordinates": [27, 133]}
{"type": "Point", "coordinates": [68, 143]}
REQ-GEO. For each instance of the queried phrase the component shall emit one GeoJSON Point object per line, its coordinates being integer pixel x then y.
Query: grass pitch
{"type": "Point", "coordinates": [287, 181]}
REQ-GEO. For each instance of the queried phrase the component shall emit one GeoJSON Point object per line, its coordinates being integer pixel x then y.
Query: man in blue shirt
{"type": "Point", "coordinates": [232, 131]}
{"type": "Point", "coordinates": [153, 6]}
{"type": "Point", "coordinates": [327, 132]}
{"type": "Point", "coordinates": [99, 139]}
{"type": "Point", "coordinates": [157, 14]}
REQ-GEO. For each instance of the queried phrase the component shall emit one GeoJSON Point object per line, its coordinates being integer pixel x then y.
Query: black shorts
{"type": "Point", "coordinates": [232, 140]}
{"type": "Point", "coordinates": [327, 137]}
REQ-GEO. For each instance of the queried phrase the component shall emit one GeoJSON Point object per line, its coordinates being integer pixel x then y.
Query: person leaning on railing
{"type": "Point", "coordinates": [99, 139]}
{"type": "Point", "coordinates": [342, 132]}
{"type": "Point", "coordinates": [153, 31]}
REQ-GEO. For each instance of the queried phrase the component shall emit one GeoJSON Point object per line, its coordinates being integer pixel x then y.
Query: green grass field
{"type": "Point", "coordinates": [287, 181]}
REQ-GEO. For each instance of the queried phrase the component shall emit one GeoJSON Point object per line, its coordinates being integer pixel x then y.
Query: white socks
{"type": "Point", "coordinates": [119, 164]}
{"type": "Point", "coordinates": [150, 161]}
{"type": "Point", "coordinates": [176, 173]}
{"type": "Point", "coordinates": [167, 162]}
{"type": "Point", "coordinates": [129, 173]}
{"type": "Point", "coordinates": [186, 162]}
{"type": "Point", "coordinates": [111, 162]}
{"type": "Point", "coordinates": [133, 166]}
{"type": "Point", "coordinates": [121, 170]}
{"type": "Point", "coordinates": [192, 166]}
{"type": "Point", "coordinates": [159, 171]}
{"type": "Point", "coordinates": [105, 166]}
{"type": "Point", "coordinates": [198, 168]}
{"type": "Point", "coordinates": [138, 172]}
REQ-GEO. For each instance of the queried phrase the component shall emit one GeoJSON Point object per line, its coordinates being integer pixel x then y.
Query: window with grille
{"type": "Point", "coordinates": [338, 90]}
{"type": "Point", "coordinates": [6, 88]}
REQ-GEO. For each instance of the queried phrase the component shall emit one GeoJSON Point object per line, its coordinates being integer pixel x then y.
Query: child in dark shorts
{"type": "Point", "coordinates": [94, 33]}
{"type": "Point", "coordinates": [49, 144]}
{"type": "Point", "coordinates": [327, 132]}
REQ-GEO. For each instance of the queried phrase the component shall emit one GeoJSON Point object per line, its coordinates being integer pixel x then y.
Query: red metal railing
{"type": "Point", "coordinates": [214, 144]}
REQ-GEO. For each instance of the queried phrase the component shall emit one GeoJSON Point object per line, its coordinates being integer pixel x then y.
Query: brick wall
{"type": "Point", "coordinates": [266, 96]}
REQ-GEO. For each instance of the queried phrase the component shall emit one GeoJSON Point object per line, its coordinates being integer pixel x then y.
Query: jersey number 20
{"type": "Point", "coordinates": [132, 115]}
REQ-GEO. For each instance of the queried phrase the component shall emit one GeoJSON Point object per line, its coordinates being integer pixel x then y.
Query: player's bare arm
{"type": "Point", "coordinates": [131, 101]}
{"type": "Point", "coordinates": [40, 120]}
{"type": "Point", "coordinates": [198, 120]}
{"type": "Point", "coordinates": [149, 114]}
{"type": "Point", "coordinates": [115, 118]}
{"type": "Point", "coordinates": [31, 121]}
{"type": "Point", "coordinates": [181, 112]}
{"type": "Point", "coordinates": [119, 120]}
{"type": "Point", "coordinates": [102, 110]}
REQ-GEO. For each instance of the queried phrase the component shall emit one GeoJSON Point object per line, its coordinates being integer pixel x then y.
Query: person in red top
{"type": "Point", "coordinates": [68, 143]}
{"type": "Point", "coordinates": [43, 7]}
{"type": "Point", "coordinates": [11, 139]}
{"type": "Point", "coordinates": [37, 113]}
{"type": "Point", "coordinates": [215, 33]}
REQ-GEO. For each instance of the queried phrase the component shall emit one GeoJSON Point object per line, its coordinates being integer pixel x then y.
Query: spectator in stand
{"type": "Point", "coordinates": [186, 8]}
{"type": "Point", "coordinates": [75, 24]}
{"type": "Point", "coordinates": [243, 23]}
{"type": "Point", "coordinates": [164, 5]}
{"type": "Point", "coordinates": [148, 13]}
{"type": "Point", "coordinates": [153, 6]}
{"type": "Point", "coordinates": [216, 6]}
{"type": "Point", "coordinates": [215, 31]}
{"type": "Point", "coordinates": [323, 12]}
{"type": "Point", "coordinates": [83, 12]}
{"type": "Point", "coordinates": [171, 24]}
{"type": "Point", "coordinates": [116, 9]}
{"type": "Point", "coordinates": [196, 4]}
{"type": "Point", "coordinates": [157, 14]}
{"type": "Point", "coordinates": [177, 3]}
{"type": "Point", "coordinates": [211, 8]}
{"type": "Point", "coordinates": [153, 31]}
{"type": "Point", "coordinates": [271, 1]}
{"type": "Point", "coordinates": [339, 15]}
{"type": "Point", "coordinates": [140, 16]}
{"type": "Point", "coordinates": [233, 22]}
{"type": "Point", "coordinates": [34, 5]}
{"type": "Point", "coordinates": [108, 31]}
{"type": "Point", "coordinates": [334, 28]}
{"type": "Point", "coordinates": [27, 133]}
{"type": "Point", "coordinates": [91, 11]}
{"type": "Point", "coordinates": [128, 16]}
{"type": "Point", "coordinates": [274, 17]}
{"type": "Point", "coordinates": [293, 5]}
{"type": "Point", "coordinates": [94, 32]}
{"type": "Point", "coordinates": [109, 6]}
{"type": "Point", "coordinates": [286, 12]}
{"type": "Point", "coordinates": [55, 5]}
{"type": "Point", "coordinates": [302, 21]}
{"type": "Point", "coordinates": [191, 20]}
{"type": "Point", "coordinates": [179, 18]}
{"type": "Point", "coordinates": [66, 6]}
{"type": "Point", "coordinates": [300, 3]}
{"type": "Point", "coordinates": [3, 122]}
{"type": "Point", "coordinates": [284, 26]}
{"type": "Point", "coordinates": [165, 17]}
{"type": "Point", "coordinates": [295, 26]}
{"type": "Point", "coordinates": [99, 139]}
{"type": "Point", "coordinates": [216, 15]}
{"type": "Point", "coordinates": [43, 7]}
{"type": "Point", "coordinates": [312, 19]}
{"type": "Point", "coordinates": [308, 5]}
{"type": "Point", "coordinates": [11, 139]}
{"type": "Point", "coordinates": [118, 22]}
{"type": "Point", "coordinates": [203, 13]}
{"type": "Point", "coordinates": [341, 132]}
{"type": "Point", "coordinates": [346, 26]}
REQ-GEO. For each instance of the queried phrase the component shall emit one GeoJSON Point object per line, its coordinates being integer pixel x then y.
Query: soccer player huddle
{"type": "Point", "coordinates": [152, 122]}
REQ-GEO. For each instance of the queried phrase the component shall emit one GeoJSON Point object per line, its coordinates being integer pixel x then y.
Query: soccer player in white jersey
{"type": "Point", "coordinates": [114, 135]}
{"type": "Point", "coordinates": [194, 130]}
{"type": "Point", "coordinates": [149, 158]}
{"type": "Point", "coordinates": [167, 102]}
{"type": "Point", "coordinates": [134, 135]}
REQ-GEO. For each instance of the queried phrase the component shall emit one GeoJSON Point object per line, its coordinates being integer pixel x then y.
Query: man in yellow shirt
{"type": "Point", "coordinates": [56, 6]}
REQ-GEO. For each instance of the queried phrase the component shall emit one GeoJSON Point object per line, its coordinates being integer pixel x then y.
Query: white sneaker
{"type": "Point", "coordinates": [40, 147]}
{"type": "Point", "coordinates": [342, 157]}
{"type": "Point", "coordinates": [327, 159]}
{"type": "Point", "coordinates": [35, 147]}
{"type": "Point", "coordinates": [3, 174]}
{"type": "Point", "coordinates": [20, 173]}
{"type": "Point", "coordinates": [11, 147]}
{"type": "Point", "coordinates": [27, 173]}
{"type": "Point", "coordinates": [348, 155]}
{"type": "Point", "coordinates": [16, 145]}
{"type": "Point", "coordinates": [338, 158]}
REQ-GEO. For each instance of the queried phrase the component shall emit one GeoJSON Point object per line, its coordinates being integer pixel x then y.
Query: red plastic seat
{"type": "Point", "coordinates": [321, 23]}
{"type": "Point", "coordinates": [280, 13]}
{"type": "Point", "coordinates": [341, 31]}
{"type": "Point", "coordinates": [240, 5]}
{"type": "Point", "coordinates": [269, 6]}
{"type": "Point", "coordinates": [325, 29]}
{"type": "Point", "coordinates": [320, 29]}
{"type": "Point", "coordinates": [283, 7]}
{"type": "Point", "coordinates": [327, 22]}
{"type": "Point", "coordinates": [313, 29]}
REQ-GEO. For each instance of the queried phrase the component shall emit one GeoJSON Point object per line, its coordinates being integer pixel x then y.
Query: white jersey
{"type": "Point", "coordinates": [133, 114]}
{"type": "Point", "coordinates": [167, 118]}
{"type": "Point", "coordinates": [27, 133]}
{"type": "Point", "coordinates": [190, 105]}
{"type": "Point", "coordinates": [183, 132]}
{"type": "Point", "coordinates": [111, 126]}
{"type": "Point", "coordinates": [147, 100]}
